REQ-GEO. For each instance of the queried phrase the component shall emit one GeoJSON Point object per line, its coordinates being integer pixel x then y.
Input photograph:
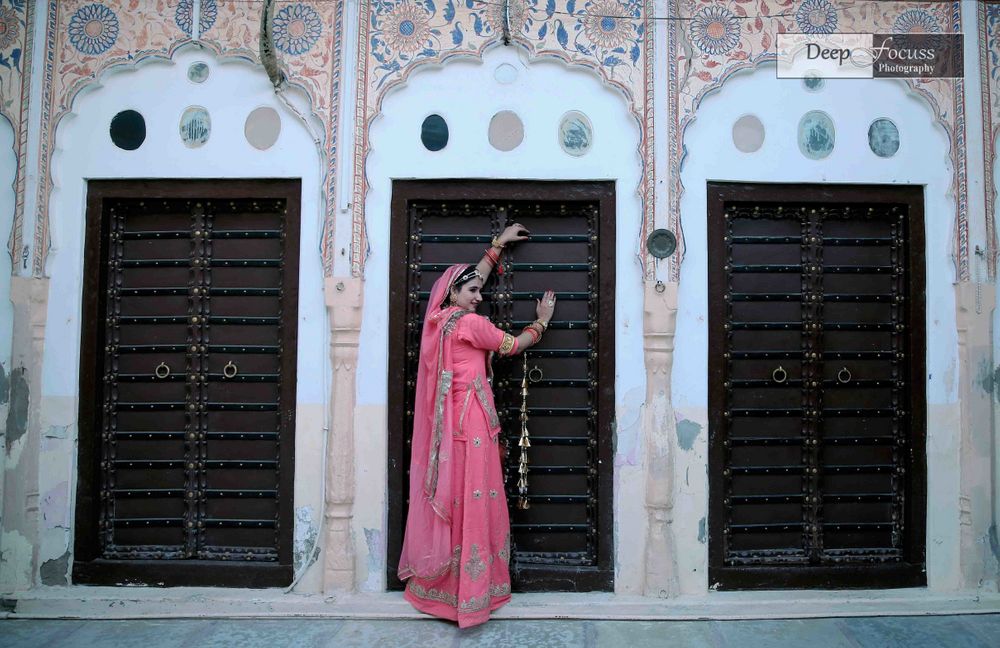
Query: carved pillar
{"type": "Point", "coordinates": [974, 305]}
{"type": "Point", "coordinates": [343, 300]}
{"type": "Point", "coordinates": [659, 432]}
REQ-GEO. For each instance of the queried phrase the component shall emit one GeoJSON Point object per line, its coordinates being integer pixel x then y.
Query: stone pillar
{"type": "Point", "coordinates": [659, 431]}
{"type": "Point", "coordinates": [19, 530]}
{"type": "Point", "coordinates": [344, 299]}
{"type": "Point", "coordinates": [975, 304]}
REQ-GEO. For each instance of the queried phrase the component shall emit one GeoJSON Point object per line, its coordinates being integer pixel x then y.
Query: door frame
{"type": "Point", "coordinates": [88, 565]}
{"type": "Point", "coordinates": [601, 577]}
{"type": "Point", "coordinates": [911, 572]}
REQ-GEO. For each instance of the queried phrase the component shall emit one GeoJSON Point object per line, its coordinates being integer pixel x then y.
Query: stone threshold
{"type": "Point", "coordinates": [85, 602]}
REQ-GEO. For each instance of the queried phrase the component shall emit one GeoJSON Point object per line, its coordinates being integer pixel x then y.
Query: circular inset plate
{"type": "Point", "coordinates": [195, 126]}
{"type": "Point", "coordinates": [813, 81]}
{"type": "Point", "coordinates": [883, 137]}
{"type": "Point", "coordinates": [661, 243]}
{"type": "Point", "coordinates": [576, 135]}
{"type": "Point", "coordinates": [198, 72]}
{"type": "Point", "coordinates": [434, 133]}
{"type": "Point", "coordinates": [505, 73]}
{"type": "Point", "coordinates": [128, 130]}
{"type": "Point", "coordinates": [748, 133]}
{"type": "Point", "coordinates": [816, 135]}
{"type": "Point", "coordinates": [262, 127]}
{"type": "Point", "coordinates": [506, 131]}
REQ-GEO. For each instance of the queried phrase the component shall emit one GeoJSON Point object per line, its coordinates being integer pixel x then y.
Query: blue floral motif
{"type": "Point", "coordinates": [296, 29]}
{"type": "Point", "coordinates": [916, 21]}
{"type": "Point", "coordinates": [10, 27]}
{"type": "Point", "coordinates": [185, 15]}
{"type": "Point", "coordinates": [816, 17]}
{"type": "Point", "coordinates": [715, 30]}
{"type": "Point", "coordinates": [93, 29]}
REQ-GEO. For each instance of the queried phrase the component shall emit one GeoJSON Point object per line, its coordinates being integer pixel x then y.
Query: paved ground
{"type": "Point", "coordinates": [969, 631]}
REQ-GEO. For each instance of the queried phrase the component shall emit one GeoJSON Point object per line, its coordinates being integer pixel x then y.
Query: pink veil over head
{"type": "Point", "coordinates": [427, 550]}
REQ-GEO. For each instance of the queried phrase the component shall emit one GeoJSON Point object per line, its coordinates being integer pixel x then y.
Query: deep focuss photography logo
{"type": "Point", "coordinates": [870, 56]}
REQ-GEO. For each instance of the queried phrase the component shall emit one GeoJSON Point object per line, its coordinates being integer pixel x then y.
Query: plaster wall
{"type": "Point", "coordinates": [161, 91]}
{"type": "Point", "coordinates": [466, 93]}
{"type": "Point", "coordinates": [922, 159]}
{"type": "Point", "coordinates": [8, 169]}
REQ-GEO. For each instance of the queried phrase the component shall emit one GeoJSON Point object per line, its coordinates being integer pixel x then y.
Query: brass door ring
{"type": "Point", "coordinates": [535, 374]}
{"type": "Point", "coordinates": [841, 378]}
{"type": "Point", "coordinates": [230, 370]}
{"type": "Point", "coordinates": [162, 370]}
{"type": "Point", "coordinates": [780, 371]}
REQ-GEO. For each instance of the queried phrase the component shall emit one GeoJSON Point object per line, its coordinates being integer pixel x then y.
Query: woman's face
{"type": "Point", "coordinates": [468, 296]}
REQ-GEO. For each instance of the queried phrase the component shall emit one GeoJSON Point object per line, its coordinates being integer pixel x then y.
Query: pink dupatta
{"type": "Point", "coordinates": [427, 550]}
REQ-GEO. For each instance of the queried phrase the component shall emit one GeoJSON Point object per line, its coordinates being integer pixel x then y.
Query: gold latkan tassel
{"type": "Point", "coordinates": [524, 443]}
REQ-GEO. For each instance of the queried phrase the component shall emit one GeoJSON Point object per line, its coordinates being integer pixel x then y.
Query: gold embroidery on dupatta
{"type": "Point", "coordinates": [491, 413]}
{"type": "Point", "coordinates": [444, 386]}
{"type": "Point", "coordinates": [475, 604]}
{"type": "Point", "coordinates": [499, 590]}
{"type": "Point", "coordinates": [475, 566]}
{"type": "Point", "coordinates": [505, 552]}
{"type": "Point", "coordinates": [432, 594]}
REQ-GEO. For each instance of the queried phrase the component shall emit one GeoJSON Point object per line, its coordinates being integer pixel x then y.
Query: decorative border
{"type": "Point", "coordinates": [14, 96]}
{"type": "Point", "coordinates": [611, 37]}
{"type": "Point", "coordinates": [714, 39]}
{"type": "Point", "coordinates": [988, 18]}
{"type": "Point", "coordinates": [309, 37]}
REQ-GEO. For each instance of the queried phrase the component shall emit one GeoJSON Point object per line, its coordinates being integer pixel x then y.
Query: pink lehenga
{"type": "Point", "coordinates": [456, 548]}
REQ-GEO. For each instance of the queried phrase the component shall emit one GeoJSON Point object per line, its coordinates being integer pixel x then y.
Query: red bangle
{"type": "Point", "coordinates": [535, 335]}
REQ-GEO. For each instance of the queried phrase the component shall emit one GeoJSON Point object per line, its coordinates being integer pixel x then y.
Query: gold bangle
{"type": "Point", "coordinates": [544, 325]}
{"type": "Point", "coordinates": [497, 244]}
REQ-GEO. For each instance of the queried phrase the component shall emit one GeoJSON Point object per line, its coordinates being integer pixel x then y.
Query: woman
{"type": "Point", "coordinates": [457, 544]}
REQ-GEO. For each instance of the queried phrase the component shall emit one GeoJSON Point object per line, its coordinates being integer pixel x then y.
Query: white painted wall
{"type": "Point", "coordinates": [8, 170]}
{"type": "Point", "coordinates": [467, 95]}
{"type": "Point", "coordinates": [922, 159]}
{"type": "Point", "coordinates": [161, 92]}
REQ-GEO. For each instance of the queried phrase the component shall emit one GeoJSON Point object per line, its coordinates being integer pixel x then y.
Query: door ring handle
{"type": "Point", "coordinates": [779, 371]}
{"type": "Point", "coordinates": [162, 370]}
{"type": "Point", "coordinates": [535, 374]}
{"type": "Point", "coordinates": [841, 378]}
{"type": "Point", "coordinates": [230, 370]}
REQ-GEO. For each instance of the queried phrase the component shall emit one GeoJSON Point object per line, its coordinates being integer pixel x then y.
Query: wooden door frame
{"type": "Point", "coordinates": [88, 566]}
{"type": "Point", "coordinates": [912, 572]}
{"type": "Point", "coordinates": [577, 578]}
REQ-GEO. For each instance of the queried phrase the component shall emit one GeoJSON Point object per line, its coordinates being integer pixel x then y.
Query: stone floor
{"type": "Point", "coordinates": [965, 631]}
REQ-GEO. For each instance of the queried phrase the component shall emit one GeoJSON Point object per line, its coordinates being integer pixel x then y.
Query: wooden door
{"type": "Point", "coordinates": [187, 383]}
{"type": "Point", "coordinates": [816, 399]}
{"type": "Point", "coordinates": [563, 540]}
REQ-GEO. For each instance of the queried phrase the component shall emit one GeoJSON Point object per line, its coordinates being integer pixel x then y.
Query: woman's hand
{"type": "Point", "coordinates": [512, 234]}
{"type": "Point", "coordinates": [546, 306]}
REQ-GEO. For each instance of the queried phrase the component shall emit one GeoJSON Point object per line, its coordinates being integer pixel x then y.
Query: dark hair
{"type": "Point", "coordinates": [471, 273]}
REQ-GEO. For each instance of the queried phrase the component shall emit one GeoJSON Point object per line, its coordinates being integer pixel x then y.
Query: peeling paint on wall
{"type": "Point", "coordinates": [628, 421]}
{"type": "Point", "coordinates": [15, 561]}
{"type": "Point", "coordinates": [985, 377]}
{"type": "Point", "coordinates": [702, 530]}
{"type": "Point", "coordinates": [687, 432]}
{"type": "Point", "coordinates": [17, 415]}
{"type": "Point", "coordinates": [4, 385]}
{"type": "Point", "coordinates": [56, 571]}
{"type": "Point", "coordinates": [54, 506]}
{"type": "Point", "coordinates": [305, 535]}
{"type": "Point", "coordinates": [376, 555]}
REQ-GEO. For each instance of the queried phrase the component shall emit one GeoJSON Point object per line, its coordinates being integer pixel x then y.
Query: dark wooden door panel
{"type": "Point", "coordinates": [816, 342]}
{"type": "Point", "coordinates": [562, 540]}
{"type": "Point", "coordinates": [190, 451]}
